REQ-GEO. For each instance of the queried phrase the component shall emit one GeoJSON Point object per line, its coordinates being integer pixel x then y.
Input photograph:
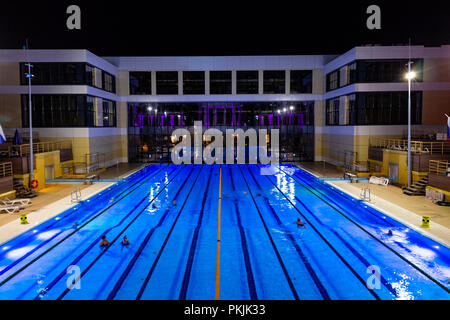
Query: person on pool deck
{"type": "Point", "coordinates": [299, 223]}
{"type": "Point", "coordinates": [125, 241]}
{"type": "Point", "coordinates": [104, 242]}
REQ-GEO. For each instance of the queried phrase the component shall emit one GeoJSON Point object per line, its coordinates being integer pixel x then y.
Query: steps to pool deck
{"type": "Point", "coordinates": [418, 188]}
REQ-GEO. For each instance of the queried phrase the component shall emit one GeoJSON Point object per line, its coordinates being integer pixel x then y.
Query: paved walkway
{"type": "Point", "coordinates": [391, 201]}
{"type": "Point", "coordinates": [55, 199]}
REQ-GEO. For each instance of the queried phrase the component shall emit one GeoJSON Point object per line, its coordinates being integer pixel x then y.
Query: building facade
{"type": "Point", "coordinates": [326, 106]}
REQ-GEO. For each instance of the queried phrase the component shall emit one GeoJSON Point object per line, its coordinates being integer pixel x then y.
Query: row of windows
{"type": "Point", "coordinates": [374, 108]}
{"type": "Point", "coordinates": [73, 73]}
{"type": "Point", "coordinates": [247, 82]}
{"type": "Point", "coordinates": [150, 134]}
{"type": "Point", "coordinates": [296, 114]}
{"type": "Point", "coordinates": [372, 71]}
{"type": "Point", "coordinates": [53, 111]}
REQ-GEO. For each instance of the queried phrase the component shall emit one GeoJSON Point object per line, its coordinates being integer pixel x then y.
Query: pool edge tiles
{"type": "Point", "coordinates": [37, 217]}
{"type": "Point", "coordinates": [435, 233]}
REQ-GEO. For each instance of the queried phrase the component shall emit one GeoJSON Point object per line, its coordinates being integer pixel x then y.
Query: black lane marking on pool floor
{"type": "Point", "coordinates": [67, 290]}
{"type": "Point", "coordinates": [75, 231]}
{"type": "Point", "coordinates": [363, 260]}
{"type": "Point", "coordinates": [190, 261]}
{"type": "Point", "coordinates": [45, 290]}
{"type": "Point", "coordinates": [329, 244]}
{"type": "Point", "coordinates": [155, 262]}
{"type": "Point", "coordinates": [337, 192]}
{"type": "Point", "coordinates": [374, 237]}
{"type": "Point", "coordinates": [144, 243]}
{"type": "Point", "coordinates": [277, 253]}
{"type": "Point", "coordinates": [248, 266]}
{"type": "Point", "coordinates": [9, 267]}
{"type": "Point", "coordinates": [302, 256]}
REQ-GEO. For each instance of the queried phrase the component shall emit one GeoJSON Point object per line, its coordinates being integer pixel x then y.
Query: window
{"type": "Point", "coordinates": [301, 81]}
{"type": "Point", "coordinates": [332, 111]}
{"type": "Point", "coordinates": [352, 74]}
{"type": "Point", "coordinates": [65, 73]}
{"type": "Point", "coordinates": [193, 82]}
{"type": "Point", "coordinates": [388, 108]}
{"type": "Point", "coordinates": [109, 113]}
{"type": "Point", "coordinates": [333, 80]}
{"type": "Point", "coordinates": [167, 82]}
{"type": "Point", "coordinates": [56, 111]}
{"type": "Point", "coordinates": [90, 112]}
{"type": "Point", "coordinates": [387, 70]}
{"type": "Point", "coordinates": [274, 81]}
{"type": "Point", "coordinates": [220, 82]}
{"type": "Point", "coordinates": [108, 82]}
{"type": "Point", "coordinates": [351, 109]}
{"type": "Point", "coordinates": [246, 82]}
{"type": "Point", "coordinates": [90, 75]}
{"type": "Point", "coordinates": [146, 128]}
{"type": "Point", "coordinates": [54, 73]}
{"type": "Point", "coordinates": [140, 82]}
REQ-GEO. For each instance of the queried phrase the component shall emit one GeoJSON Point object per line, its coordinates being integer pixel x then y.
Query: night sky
{"type": "Point", "coordinates": [221, 27]}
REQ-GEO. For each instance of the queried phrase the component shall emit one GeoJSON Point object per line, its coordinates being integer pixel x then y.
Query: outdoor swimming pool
{"type": "Point", "coordinates": [172, 216]}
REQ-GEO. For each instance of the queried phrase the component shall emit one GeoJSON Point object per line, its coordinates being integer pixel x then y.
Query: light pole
{"type": "Point", "coordinates": [30, 112]}
{"type": "Point", "coordinates": [410, 76]}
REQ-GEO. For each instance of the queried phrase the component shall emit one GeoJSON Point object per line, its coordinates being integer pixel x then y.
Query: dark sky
{"type": "Point", "coordinates": [221, 27]}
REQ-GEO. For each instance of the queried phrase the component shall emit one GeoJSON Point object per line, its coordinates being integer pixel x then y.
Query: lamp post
{"type": "Point", "coordinates": [410, 76]}
{"type": "Point", "coordinates": [30, 112]}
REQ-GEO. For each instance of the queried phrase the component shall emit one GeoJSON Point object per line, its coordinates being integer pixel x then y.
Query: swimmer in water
{"type": "Point", "coordinates": [104, 242]}
{"type": "Point", "coordinates": [75, 225]}
{"type": "Point", "coordinates": [390, 233]}
{"type": "Point", "coordinates": [174, 203]}
{"type": "Point", "coordinates": [155, 206]}
{"type": "Point", "coordinates": [125, 241]}
{"type": "Point", "coordinates": [299, 223]}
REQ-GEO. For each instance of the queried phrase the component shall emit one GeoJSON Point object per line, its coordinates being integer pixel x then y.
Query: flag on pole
{"type": "Point", "coordinates": [448, 127]}
{"type": "Point", "coordinates": [2, 136]}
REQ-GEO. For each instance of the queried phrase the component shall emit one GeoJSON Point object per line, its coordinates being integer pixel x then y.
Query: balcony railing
{"type": "Point", "coordinates": [6, 169]}
{"type": "Point", "coordinates": [39, 147]}
{"type": "Point", "coordinates": [430, 147]}
{"type": "Point", "coordinates": [440, 167]}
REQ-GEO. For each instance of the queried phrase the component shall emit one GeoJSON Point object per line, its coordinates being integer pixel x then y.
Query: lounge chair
{"type": "Point", "coordinates": [9, 209]}
{"type": "Point", "coordinates": [23, 202]}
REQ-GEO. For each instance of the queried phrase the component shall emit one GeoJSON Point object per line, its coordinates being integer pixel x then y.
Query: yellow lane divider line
{"type": "Point", "coordinates": [218, 240]}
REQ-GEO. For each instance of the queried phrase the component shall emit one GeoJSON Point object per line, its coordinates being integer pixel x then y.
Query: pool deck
{"type": "Point", "coordinates": [391, 201]}
{"type": "Point", "coordinates": [55, 199]}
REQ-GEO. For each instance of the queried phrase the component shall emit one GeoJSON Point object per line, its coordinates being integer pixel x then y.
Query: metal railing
{"type": "Point", "coordinates": [430, 147]}
{"type": "Point", "coordinates": [440, 167]}
{"type": "Point", "coordinates": [75, 195]}
{"type": "Point", "coordinates": [39, 147]}
{"type": "Point", "coordinates": [6, 169]}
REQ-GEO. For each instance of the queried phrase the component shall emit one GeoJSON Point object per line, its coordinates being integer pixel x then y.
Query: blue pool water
{"type": "Point", "coordinates": [170, 215]}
